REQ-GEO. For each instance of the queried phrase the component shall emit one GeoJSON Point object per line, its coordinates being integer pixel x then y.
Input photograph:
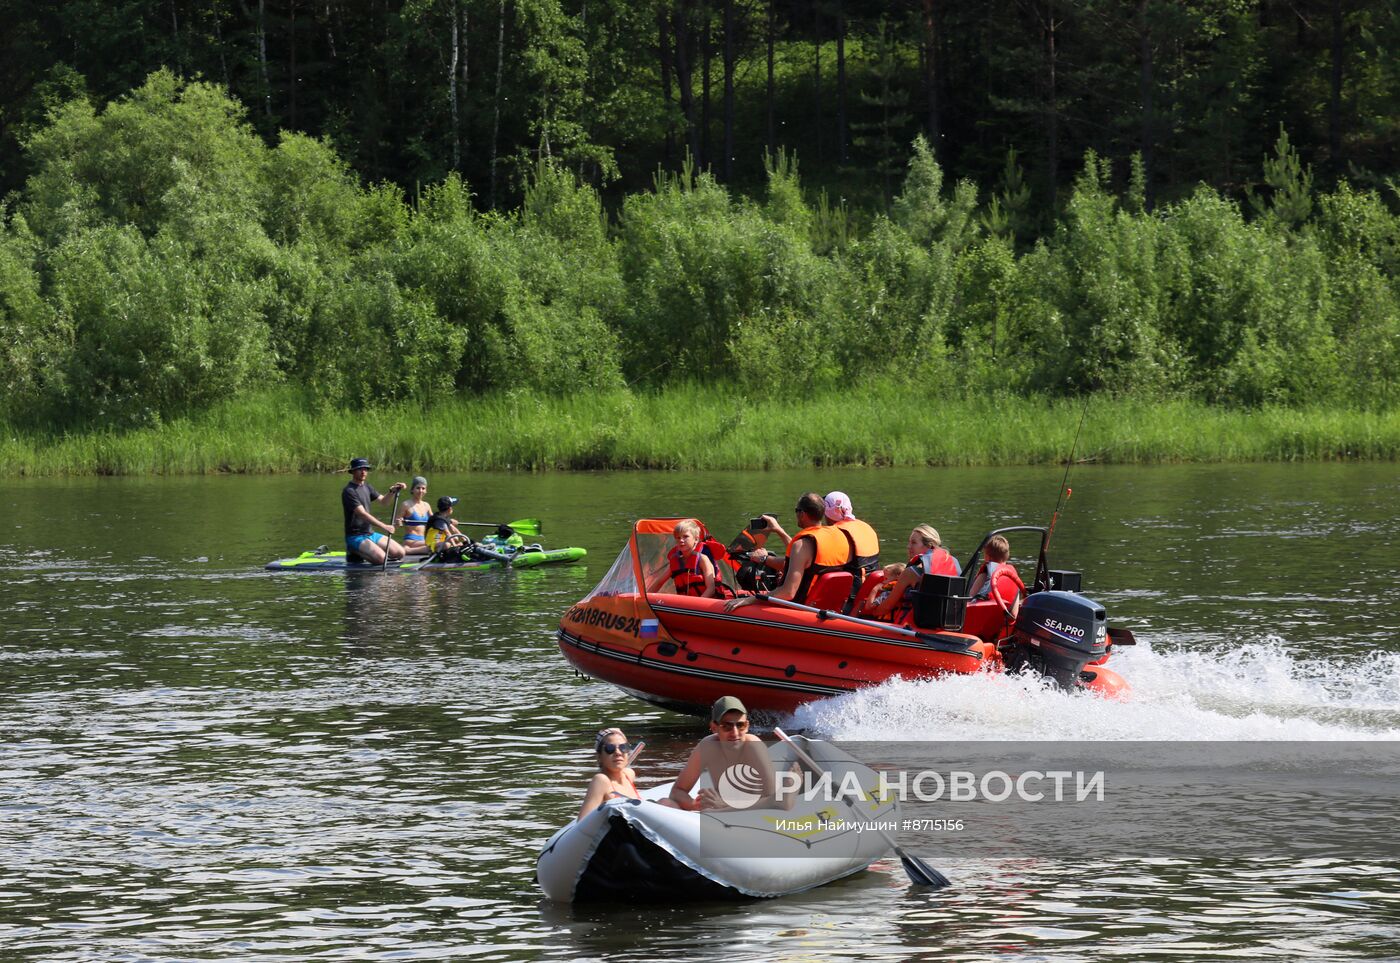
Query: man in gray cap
{"type": "Point", "coordinates": [737, 762]}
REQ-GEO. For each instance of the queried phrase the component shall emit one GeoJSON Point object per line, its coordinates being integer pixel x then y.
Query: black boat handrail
{"type": "Point", "coordinates": [1041, 582]}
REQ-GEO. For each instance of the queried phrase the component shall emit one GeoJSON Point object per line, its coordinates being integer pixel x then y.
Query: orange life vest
{"type": "Point", "coordinates": [938, 561]}
{"type": "Point", "coordinates": [715, 549]}
{"type": "Point", "coordinates": [832, 554]}
{"type": "Point", "coordinates": [867, 543]}
{"type": "Point", "coordinates": [685, 572]}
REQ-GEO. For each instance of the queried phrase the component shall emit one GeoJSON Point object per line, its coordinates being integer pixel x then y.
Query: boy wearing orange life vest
{"type": "Point", "coordinates": [690, 569]}
{"type": "Point", "coordinates": [998, 579]}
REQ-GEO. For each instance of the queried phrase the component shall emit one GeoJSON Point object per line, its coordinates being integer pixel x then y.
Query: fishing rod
{"type": "Point", "coordinates": [1065, 492]}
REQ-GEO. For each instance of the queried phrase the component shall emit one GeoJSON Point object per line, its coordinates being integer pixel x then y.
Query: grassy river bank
{"type": "Point", "coordinates": [690, 427]}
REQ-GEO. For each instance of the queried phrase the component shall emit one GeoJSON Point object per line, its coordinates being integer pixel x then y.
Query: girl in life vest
{"type": "Point", "coordinates": [692, 570]}
{"type": "Point", "coordinates": [997, 580]}
{"type": "Point", "coordinates": [890, 574]}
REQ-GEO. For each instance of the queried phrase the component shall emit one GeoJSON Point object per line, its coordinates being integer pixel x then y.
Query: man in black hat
{"type": "Point", "coordinates": [360, 537]}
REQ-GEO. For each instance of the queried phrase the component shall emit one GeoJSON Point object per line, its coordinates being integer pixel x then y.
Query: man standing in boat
{"type": "Point", "coordinates": [355, 500]}
{"type": "Point", "coordinates": [816, 548]}
{"type": "Point", "coordinates": [738, 764]}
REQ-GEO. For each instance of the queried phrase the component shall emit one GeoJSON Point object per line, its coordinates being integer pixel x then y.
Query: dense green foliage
{"type": "Point", "coordinates": [162, 258]}
{"type": "Point", "coordinates": [410, 91]}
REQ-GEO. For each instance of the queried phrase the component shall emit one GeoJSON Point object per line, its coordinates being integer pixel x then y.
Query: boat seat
{"type": "Point", "coordinates": [986, 620]}
{"type": "Point", "coordinates": [867, 587]}
{"type": "Point", "coordinates": [829, 590]}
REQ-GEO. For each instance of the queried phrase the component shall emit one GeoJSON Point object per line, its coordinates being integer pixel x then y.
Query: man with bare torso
{"type": "Point", "coordinates": [737, 762]}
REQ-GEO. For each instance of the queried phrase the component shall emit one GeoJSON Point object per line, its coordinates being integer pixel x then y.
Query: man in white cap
{"type": "Point", "coordinates": [865, 543]}
{"type": "Point", "coordinates": [740, 769]}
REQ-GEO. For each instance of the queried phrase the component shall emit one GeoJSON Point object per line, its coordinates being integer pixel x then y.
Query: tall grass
{"type": "Point", "coordinates": [688, 426]}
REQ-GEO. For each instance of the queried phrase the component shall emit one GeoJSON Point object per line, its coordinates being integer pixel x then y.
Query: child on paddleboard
{"type": "Point", "coordinates": [444, 537]}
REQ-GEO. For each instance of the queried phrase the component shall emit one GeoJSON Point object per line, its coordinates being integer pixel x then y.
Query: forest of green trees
{"type": "Point", "coordinates": [414, 200]}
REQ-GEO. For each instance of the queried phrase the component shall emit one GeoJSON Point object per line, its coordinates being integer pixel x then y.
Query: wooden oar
{"type": "Point", "coordinates": [920, 872]}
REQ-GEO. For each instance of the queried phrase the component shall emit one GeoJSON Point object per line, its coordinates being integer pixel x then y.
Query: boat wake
{"type": "Point", "coordinates": [1262, 692]}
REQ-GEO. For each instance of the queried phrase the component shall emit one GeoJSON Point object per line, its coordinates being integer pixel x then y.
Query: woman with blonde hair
{"type": "Point", "coordinates": [926, 556]}
{"type": "Point", "coordinates": [615, 779]}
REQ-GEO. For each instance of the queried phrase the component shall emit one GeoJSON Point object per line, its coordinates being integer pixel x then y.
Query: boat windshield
{"type": "Point", "coordinates": [651, 552]}
{"type": "Point", "coordinates": [653, 540]}
{"type": "Point", "coordinates": [653, 547]}
{"type": "Point", "coordinates": [619, 580]}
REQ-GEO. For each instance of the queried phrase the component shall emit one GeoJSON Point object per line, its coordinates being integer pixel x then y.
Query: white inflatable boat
{"type": "Point", "coordinates": [642, 851]}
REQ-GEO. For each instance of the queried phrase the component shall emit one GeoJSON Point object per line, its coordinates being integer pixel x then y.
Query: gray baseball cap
{"type": "Point", "coordinates": [726, 704]}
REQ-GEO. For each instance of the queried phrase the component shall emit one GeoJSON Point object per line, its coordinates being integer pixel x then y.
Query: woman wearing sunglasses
{"type": "Point", "coordinates": [614, 779]}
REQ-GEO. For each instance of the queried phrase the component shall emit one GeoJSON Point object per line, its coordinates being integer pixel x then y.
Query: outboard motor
{"type": "Point", "coordinates": [1057, 634]}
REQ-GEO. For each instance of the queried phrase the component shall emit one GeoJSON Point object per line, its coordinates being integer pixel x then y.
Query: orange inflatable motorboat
{"type": "Point", "coordinates": [683, 652]}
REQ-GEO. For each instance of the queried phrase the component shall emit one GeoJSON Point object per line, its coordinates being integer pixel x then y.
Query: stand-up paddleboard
{"type": "Point", "coordinates": [323, 561]}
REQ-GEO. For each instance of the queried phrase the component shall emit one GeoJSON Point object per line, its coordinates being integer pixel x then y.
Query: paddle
{"type": "Point", "coordinates": [920, 872]}
{"type": "Point", "coordinates": [636, 751]}
{"type": "Point", "coordinates": [393, 513]}
{"type": "Point", "coordinates": [476, 549]}
{"type": "Point", "coordinates": [522, 526]}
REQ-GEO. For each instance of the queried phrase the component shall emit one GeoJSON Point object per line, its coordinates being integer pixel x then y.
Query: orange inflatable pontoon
{"type": "Point", "coordinates": [683, 652]}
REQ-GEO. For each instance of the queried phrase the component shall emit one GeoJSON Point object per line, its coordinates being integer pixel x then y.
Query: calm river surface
{"type": "Point", "coordinates": [201, 760]}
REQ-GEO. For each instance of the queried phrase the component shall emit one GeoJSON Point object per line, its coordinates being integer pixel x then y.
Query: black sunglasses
{"type": "Point", "coordinates": [622, 747]}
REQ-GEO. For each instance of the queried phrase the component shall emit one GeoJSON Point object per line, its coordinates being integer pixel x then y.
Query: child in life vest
{"type": "Point", "coordinates": [891, 572]}
{"type": "Point", "coordinates": [998, 579]}
{"type": "Point", "coordinates": [687, 567]}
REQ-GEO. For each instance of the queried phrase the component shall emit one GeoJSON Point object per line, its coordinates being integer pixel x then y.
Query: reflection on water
{"type": "Point", "coordinates": [202, 760]}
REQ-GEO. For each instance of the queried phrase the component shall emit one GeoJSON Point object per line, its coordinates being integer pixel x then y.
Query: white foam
{"type": "Point", "coordinates": [1252, 691]}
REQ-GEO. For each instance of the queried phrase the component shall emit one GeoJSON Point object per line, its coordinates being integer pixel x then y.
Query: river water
{"type": "Point", "coordinates": [202, 760]}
